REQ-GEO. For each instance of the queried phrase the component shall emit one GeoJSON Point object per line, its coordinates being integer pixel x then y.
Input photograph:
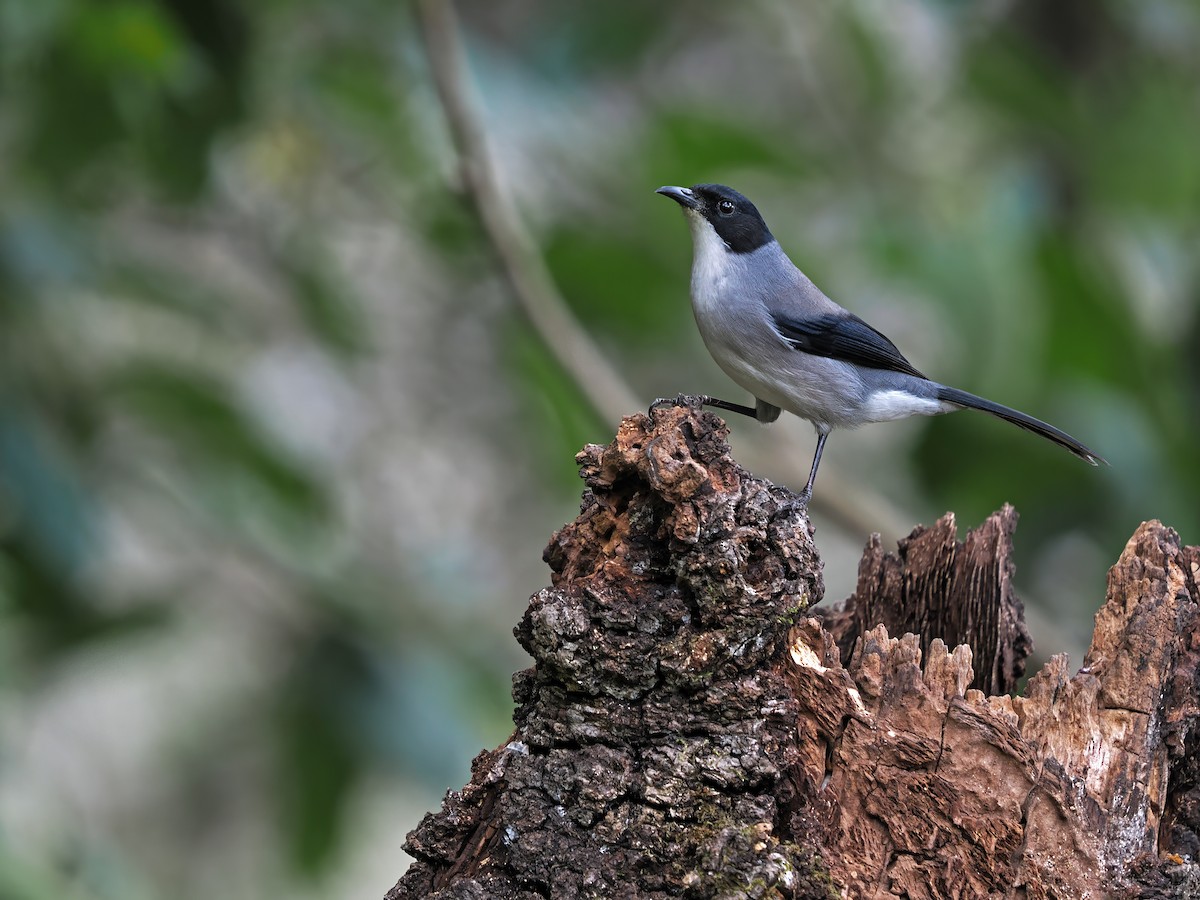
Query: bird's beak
{"type": "Point", "coordinates": [681, 195]}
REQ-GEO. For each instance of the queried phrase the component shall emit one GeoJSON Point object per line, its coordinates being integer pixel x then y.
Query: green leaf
{"type": "Point", "coordinates": [330, 310]}
{"type": "Point", "coordinates": [44, 498]}
{"type": "Point", "coordinates": [616, 286]}
{"type": "Point", "coordinates": [558, 412]}
{"type": "Point", "coordinates": [211, 435]}
{"type": "Point", "coordinates": [127, 37]}
{"type": "Point", "coordinates": [318, 762]}
{"type": "Point", "coordinates": [698, 140]}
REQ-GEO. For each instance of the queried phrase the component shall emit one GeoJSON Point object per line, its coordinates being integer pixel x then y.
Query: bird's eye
{"type": "Point", "coordinates": [725, 207]}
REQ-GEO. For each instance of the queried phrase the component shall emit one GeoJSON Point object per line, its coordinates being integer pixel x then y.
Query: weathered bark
{"type": "Point", "coordinates": [935, 587]}
{"type": "Point", "coordinates": [687, 731]}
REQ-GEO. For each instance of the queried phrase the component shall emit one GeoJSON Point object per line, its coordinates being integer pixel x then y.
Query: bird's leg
{"type": "Point", "coordinates": [806, 494]}
{"type": "Point", "coordinates": [700, 401]}
{"type": "Point", "coordinates": [731, 407]}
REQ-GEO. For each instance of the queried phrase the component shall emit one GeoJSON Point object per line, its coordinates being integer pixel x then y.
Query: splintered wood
{"type": "Point", "coordinates": [687, 730]}
{"type": "Point", "coordinates": [1083, 787]}
{"type": "Point", "coordinates": [936, 587]}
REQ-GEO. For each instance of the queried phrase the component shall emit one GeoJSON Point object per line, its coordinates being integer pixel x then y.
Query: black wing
{"type": "Point", "coordinates": [846, 337]}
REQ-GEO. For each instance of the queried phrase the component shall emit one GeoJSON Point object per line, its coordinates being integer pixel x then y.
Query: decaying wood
{"type": "Point", "coordinates": [687, 730]}
{"type": "Point", "coordinates": [936, 587]}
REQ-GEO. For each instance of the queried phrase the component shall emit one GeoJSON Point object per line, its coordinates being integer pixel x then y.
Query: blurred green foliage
{"type": "Point", "coordinates": [197, 195]}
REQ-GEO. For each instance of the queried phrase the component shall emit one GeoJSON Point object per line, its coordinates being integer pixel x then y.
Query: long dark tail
{"type": "Point", "coordinates": [1029, 423]}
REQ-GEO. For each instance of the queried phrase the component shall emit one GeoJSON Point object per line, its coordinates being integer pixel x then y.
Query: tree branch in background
{"type": "Point", "coordinates": [525, 270]}
{"type": "Point", "coordinates": [520, 259]}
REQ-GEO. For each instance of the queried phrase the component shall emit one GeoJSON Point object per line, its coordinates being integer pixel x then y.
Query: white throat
{"type": "Point", "coordinates": [711, 258]}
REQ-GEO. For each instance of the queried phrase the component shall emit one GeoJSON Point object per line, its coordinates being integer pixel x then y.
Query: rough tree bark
{"type": "Point", "coordinates": [688, 730]}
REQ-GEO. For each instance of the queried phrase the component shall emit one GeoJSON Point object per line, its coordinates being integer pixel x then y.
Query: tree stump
{"type": "Point", "coordinates": [689, 730]}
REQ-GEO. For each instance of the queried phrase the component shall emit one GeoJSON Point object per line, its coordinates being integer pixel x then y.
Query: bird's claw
{"type": "Point", "coordinates": [691, 401]}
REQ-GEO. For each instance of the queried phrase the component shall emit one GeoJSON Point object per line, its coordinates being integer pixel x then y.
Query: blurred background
{"type": "Point", "coordinates": [280, 445]}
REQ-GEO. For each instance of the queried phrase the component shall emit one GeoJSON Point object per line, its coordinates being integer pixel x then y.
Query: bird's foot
{"type": "Point", "coordinates": [691, 401]}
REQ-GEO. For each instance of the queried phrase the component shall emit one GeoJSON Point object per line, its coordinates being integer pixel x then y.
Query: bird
{"type": "Point", "coordinates": [778, 336]}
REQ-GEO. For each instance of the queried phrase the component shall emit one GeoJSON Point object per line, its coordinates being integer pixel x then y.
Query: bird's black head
{"type": "Point", "coordinates": [734, 218]}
